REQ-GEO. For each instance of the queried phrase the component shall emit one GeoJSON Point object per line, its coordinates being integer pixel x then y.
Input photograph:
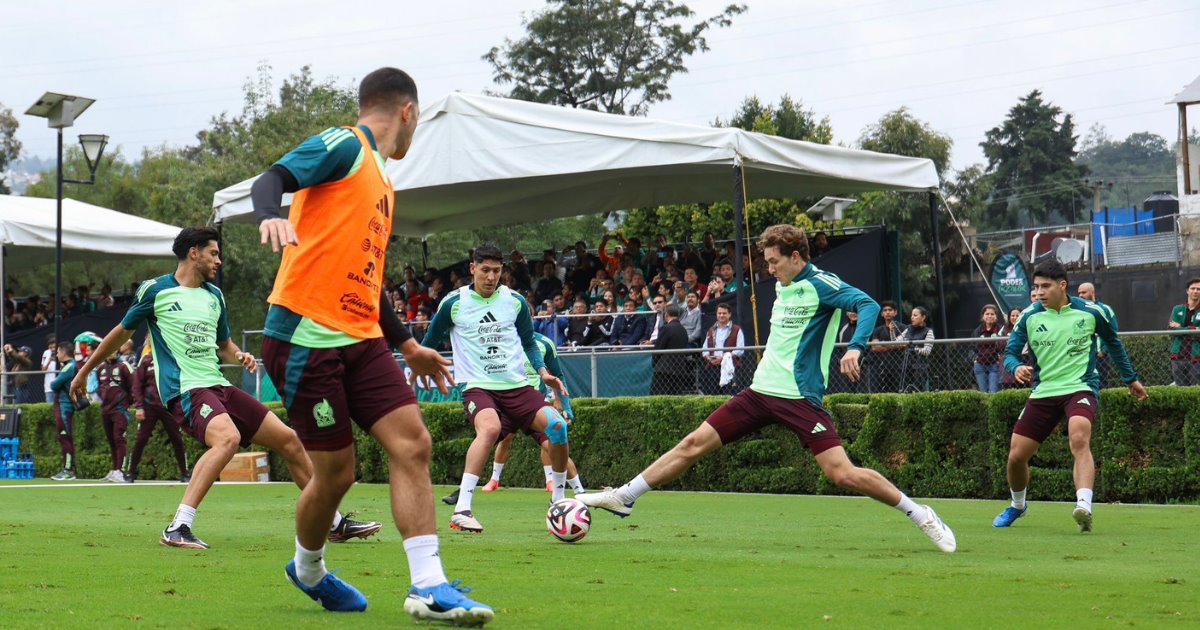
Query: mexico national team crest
{"type": "Point", "coordinates": [205, 410]}
{"type": "Point", "coordinates": [471, 407]}
{"type": "Point", "coordinates": [323, 412]}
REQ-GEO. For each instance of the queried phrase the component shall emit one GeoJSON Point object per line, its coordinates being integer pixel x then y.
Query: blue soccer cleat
{"type": "Point", "coordinates": [447, 602]}
{"type": "Point", "coordinates": [333, 593]}
{"type": "Point", "coordinates": [1010, 514]}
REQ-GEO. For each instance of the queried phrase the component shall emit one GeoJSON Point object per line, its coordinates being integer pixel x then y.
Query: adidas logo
{"type": "Point", "coordinates": [174, 307]}
{"type": "Point", "coordinates": [819, 428]}
{"type": "Point", "coordinates": [1041, 328]}
{"type": "Point", "coordinates": [1084, 401]}
{"type": "Point", "coordinates": [487, 319]}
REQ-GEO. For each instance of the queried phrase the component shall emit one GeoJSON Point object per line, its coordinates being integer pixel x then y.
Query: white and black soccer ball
{"type": "Point", "coordinates": [568, 520]}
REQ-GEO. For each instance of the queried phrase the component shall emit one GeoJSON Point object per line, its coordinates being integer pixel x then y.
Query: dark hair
{"type": "Point", "coordinates": [65, 346]}
{"type": "Point", "coordinates": [1192, 281]}
{"type": "Point", "coordinates": [386, 87]}
{"type": "Point", "coordinates": [989, 307]}
{"type": "Point", "coordinates": [1051, 269]}
{"type": "Point", "coordinates": [724, 305]}
{"type": "Point", "coordinates": [888, 304]}
{"type": "Point", "coordinates": [788, 238]}
{"type": "Point", "coordinates": [924, 313]}
{"type": "Point", "coordinates": [488, 252]}
{"type": "Point", "coordinates": [673, 310]}
{"type": "Point", "coordinates": [193, 237]}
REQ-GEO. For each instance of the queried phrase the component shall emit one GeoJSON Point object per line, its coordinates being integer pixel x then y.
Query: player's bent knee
{"type": "Point", "coordinates": [556, 426]}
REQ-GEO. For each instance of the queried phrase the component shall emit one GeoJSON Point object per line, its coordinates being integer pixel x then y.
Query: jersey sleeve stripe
{"type": "Point", "coordinates": [833, 282]}
{"type": "Point", "coordinates": [332, 144]}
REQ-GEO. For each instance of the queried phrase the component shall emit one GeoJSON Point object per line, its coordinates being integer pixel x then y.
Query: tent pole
{"type": "Point", "coordinates": [937, 265]}
{"type": "Point", "coordinates": [739, 231]}
{"type": "Point", "coordinates": [58, 296]}
{"type": "Point", "coordinates": [3, 328]}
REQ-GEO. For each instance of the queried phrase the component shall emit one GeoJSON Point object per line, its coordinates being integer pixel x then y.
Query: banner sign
{"type": "Point", "coordinates": [1011, 282]}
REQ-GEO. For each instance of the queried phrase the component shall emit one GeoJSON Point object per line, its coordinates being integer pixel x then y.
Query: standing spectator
{"type": "Point", "coordinates": [840, 383]}
{"type": "Point", "coordinates": [1185, 351]}
{"type": "Point", "coordinates": [1087, 291]}
{"type": "Point", "coordinates": [50, 367]}
{"type": "Point", "coordinates": [1007, 380]}
{"type": "Point", "coordinates": [150, 412]}
{"type": "Point", "coordinates": [915, 371]}
{"type": "Point", "coordinates": [610, 263]}
{"type": "Point", "coordinates": [599, 326]}
{"type": "Point", "coordinates": [420, 323]}
{"type": "Point", "coordinates": [520, 268]}
{"type": "Point", "coordinates": [720, 371]}
{"type": "Point", "coordinates": [598, 286]}
{"type": "Point", "coordinates": [884, 373]}
{"type": "Point", "coordinates": [656, 306]}
{"type": "Point", "coordinates": [414, 297]}
{"type": "Point", "coordinates": [989, 355]}
{"type": "Point", "coordinates": [692, 319]}
{"type": "Point", "coordinates": [577, 326]}
{"type": "Point", "coordinates": [19, 360]}
{"type": "Point", "coordinates": [437, 291]}
{"type": "Point", "coordinates": [86, 303]}
{"type": "Point", "coordinates": [548, 284]}
{"type": "Point", "coordinates": [116, 392]}
{"type": "Point", "coordinates": [708, 251]}
{"type": "Point", "coordinates": [689, 259]}
{"type": "Point", "coordinates": [671, 371]}
{"type": "Point", "coordinates": [629, 329]}
{"type": "Point", "coordinates": [820, 244]}
{"type": "Point", "coordinates": [725, 268]}
{"type": "Point", "coordinates": [579, 278]}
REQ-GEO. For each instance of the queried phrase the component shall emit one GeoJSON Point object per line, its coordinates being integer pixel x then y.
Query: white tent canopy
{"type": "Point", "coordinates": [27, 232]}
{"type": "Point", "coordinates": [481, 160]}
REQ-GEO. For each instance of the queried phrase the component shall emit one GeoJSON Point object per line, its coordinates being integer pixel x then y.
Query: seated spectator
{"type": "Point", "coordinates": [598, 286]}
{"type": "Point", "coordinates": [610, 298]}
{"type": "Point", "coordinates": [71, 307]}
{"type": "Point", "coordinates": [577, 326]}
{"type": "Point", "coordinates": [713, 294]}
{"type": "Point", "coordinates": [692, 279]}
{"type": "Point", "coordinates": [691, 318]}
{"type": "Point", "coordinates": [420, 323]}
{"type": "Point", "coordinates": [628, 328]}
{"type": "Point", "coordinates": [548, 284]}
{"type": "Point", "coordinates": [679, 291]}
{"type": "Point", "coordinates": [989, 356]}
{"type": "Point", "coordinates": [437, 291]}
{"type": "Point", "coordinates": [820, 244]}
{"type": "Point", "coordinates": [672, 372]}
{"type": "Point", "coordinates": [547, 322]}
{"type": "Point", "coordinates": [635, 251]}
{"type": "Point", "coordinates": [86, 303]}
{"type": "Point", "coordinates": [579, 278]}
{"type": "Point", "coordinates": [720, 368]}
{"type": "Point", "coordinates": [689, 258]}
{"type": "Point", "coordinates": [915, 370]}
{"type": "Point", "coordinates": [599, 326]}
{"type": "Point", "coordinates": [568, 294]}
{"type": "Point", "coordinates": [725, 269]}
{"type": "Point", "coordinates": [106, 297]}
{"type": "Point", "coordinates": [559, 302]}
{"type": "Point", "coordinates": [520, 266]}
{"type": "Point", "coordinates": [411, 274]}
{"type": "Point", "coordinates": [415, 297]}
{"type": "Point", "coordinates": [657, 305]}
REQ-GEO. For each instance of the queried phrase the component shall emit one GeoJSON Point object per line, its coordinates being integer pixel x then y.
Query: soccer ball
{"type": "Point", "coordinates": [568, 520]}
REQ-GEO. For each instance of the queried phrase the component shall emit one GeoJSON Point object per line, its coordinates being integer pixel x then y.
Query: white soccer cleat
{"type": "Point", "coordinates": [466, 521]}
{"type": "Point", "coordinates": [606, 500]}
{"type": "Point", "coordinates": [1083, 518]}
{"type": "Point", "coordinates": [116, 476]}
{"type": "Point", "coordinates": [938, 532]}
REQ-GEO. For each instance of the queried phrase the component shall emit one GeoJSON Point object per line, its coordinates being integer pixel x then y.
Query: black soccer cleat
{"type": "Point", "coordinates": [349, 528]}
{"type": "Point", "coordinates": [451, 499]}
{"type": "Point", "coordinates": [182, 537]}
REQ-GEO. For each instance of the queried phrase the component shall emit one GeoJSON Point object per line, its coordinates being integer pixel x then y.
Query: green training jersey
{"type": "Point", "coordinates": [186, 325]}
{"type": "Point", "coordinates": [803, 330]}
{"type": "Point", "coordinates": [1064, 355]}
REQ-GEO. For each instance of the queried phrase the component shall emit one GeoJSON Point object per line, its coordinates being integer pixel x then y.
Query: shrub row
{"type": "Point", "coordinates": [945, 444]}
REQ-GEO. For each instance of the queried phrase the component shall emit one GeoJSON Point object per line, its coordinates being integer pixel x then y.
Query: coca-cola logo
{"type": "Point", "coordinates": [376, 226]}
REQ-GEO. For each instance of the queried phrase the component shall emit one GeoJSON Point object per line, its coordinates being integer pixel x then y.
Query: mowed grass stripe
{"type": "Point", "coordinates": [89, 557]}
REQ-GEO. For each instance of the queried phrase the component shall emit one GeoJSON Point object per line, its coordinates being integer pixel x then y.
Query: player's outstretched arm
{"type": "Point", "coordinates": [231, 353]}
{"type": "Point", "coordinates": [267, 196]}
{"type": "Point", "coordinates": [110, 344]}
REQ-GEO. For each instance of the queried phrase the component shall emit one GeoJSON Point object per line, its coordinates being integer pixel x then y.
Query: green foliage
{"type": "Point", "coordinates": [1031, 162]}
{"type": "Point", "coordinates": [788, 119]}
{"type": "Point", "coordinates": [946, 444]}
{"type": "Point", "coordinates": [10, 147]}
{"type": "Point", "coordinates": [605, 55]}
{"type": "Point", "coordinates": [1137, 166]}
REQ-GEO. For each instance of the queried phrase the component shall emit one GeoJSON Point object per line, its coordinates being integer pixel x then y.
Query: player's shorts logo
{"type": "Point", "coordinates": [323, 412]}
{"type": "Point", "coordinates": [471, 407]}
{"type": "Point", "coordinates": [205, 410]}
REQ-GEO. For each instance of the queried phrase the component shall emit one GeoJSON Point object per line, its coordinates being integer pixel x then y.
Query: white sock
{"type": "Point", "coordinates": [1018, 498]}
{"type": "Point", "coordinates": [337, 520]}
{"type": "Point", "coordinates": [466, 491]}
{"type": "Point", "coordinates": [1083, 498]}
{"type": "Point", "coordinates": [424, 563]}
{"type": "Point", "coordinates": [185, 515]}
{"type": "Point", "coordinates": [310, 565]}
{"type": "Point", "coordinates": [549, 471]}
{"type": "Point", "coordinates": [913, 510]}
{"type": "Point", "coordinates": [559, 481]}
{"type": "Point", "coordinates": [497, 468]}
{"type": "Point", "coordinates": [631, 491]}
{"type": "Point", "coordinates": [576, 484]}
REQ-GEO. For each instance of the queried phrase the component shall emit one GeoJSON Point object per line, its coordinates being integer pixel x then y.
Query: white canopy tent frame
{"type": "Point", "coordinates": [27, 237]}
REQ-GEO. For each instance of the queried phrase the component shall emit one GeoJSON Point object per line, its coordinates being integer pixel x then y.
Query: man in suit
{"type": "Point", "coordinates": [628, 328]}
{"type": "Point", "coordinates": [672, 373]}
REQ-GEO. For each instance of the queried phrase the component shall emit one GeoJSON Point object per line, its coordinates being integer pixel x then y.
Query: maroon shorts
{"type": "Point", "coordinates": [517, 408]}
{"type": "Point", "coordinates": [327, 389]}
{"type": "Point", "coordinates": [1041, 415]}
{"type": "Point", "coordinates": [749, 411]}
{"type": "Point", "coordinates": [199, 406]}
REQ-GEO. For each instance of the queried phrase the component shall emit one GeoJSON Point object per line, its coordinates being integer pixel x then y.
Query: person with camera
{"type": "Point", "coordinates": [19, 360]}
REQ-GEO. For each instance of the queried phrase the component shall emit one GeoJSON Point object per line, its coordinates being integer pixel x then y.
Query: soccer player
{"type": "Point", "coordinates": [64, 410]}
{"type": "Point", "coordinates": [149, 412]}
{"type": "Point", "coordinates": [1059, 330]}
{"type": "Point", "coordinates": [189, 328]}
{"type": "Point", "coordinates": [115, 382]}
{"type": "Point", "coordinates": [325, 344]}
{"type": "Point", "coordinates": [491, 334]}
{"type": "Point", "coordinates": [788, 387]}
{"type": "Point", "coordinates": [500, 458]}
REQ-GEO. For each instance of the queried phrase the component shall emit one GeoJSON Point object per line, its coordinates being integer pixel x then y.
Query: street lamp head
{"type": "Point", "coordinates": [59, 110]}
{"type": "Point", "coordinates": [93, 148]}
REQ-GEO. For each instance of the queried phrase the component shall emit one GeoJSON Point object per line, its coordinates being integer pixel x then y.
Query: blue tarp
{"type": "Point", "coordinates": [1120, 222]}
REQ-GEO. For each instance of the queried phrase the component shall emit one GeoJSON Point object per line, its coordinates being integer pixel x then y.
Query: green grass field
{"type": "Point", "coordinates": [88, 557]}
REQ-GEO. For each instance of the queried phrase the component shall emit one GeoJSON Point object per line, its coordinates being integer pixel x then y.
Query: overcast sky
{"type": "Point", "coordinates": [161, 70]}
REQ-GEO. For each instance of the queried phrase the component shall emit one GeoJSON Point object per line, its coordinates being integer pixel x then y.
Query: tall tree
{"type": "Point", "coordinates": [1137, 166]}
{"type": "Point", "coordinates": [1031, 160]}
{"type": "Point", "coordinates": [607, 55]}
{"type": "Point", "coordinates": [10, 147]}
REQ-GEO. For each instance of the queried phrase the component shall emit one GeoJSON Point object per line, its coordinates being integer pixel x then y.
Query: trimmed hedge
{"type": "Point", "coordinates": [945, 444]}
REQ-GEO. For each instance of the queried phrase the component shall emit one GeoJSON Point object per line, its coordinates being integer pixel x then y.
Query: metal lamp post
{"type": "Point", "coordinates": [60, 111]}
